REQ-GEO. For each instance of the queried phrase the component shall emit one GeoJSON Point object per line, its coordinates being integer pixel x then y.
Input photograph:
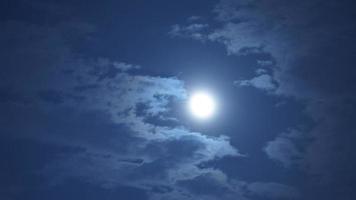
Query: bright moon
{"type": "Point", "coordinates": [202, 105]}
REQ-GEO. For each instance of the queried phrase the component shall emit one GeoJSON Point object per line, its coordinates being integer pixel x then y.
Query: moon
{"type": "Point", "coordinates": [202, 105]}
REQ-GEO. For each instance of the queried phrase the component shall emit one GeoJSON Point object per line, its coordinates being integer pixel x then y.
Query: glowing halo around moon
{"type": "Point", "coordinates": [202, 105]}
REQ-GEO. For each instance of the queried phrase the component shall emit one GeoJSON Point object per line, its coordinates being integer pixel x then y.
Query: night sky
{"type": "Point", "coordinates": [94, 99]}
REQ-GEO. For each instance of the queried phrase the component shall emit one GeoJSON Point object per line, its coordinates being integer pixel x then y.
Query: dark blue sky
{"type": "Point", "coordinates": [93, 100]}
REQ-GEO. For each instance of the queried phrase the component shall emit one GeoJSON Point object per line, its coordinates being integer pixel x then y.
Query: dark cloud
{"type": "Point", "coordinates": [206, 185]}
{"type": "Point", "coordinates": [312, 47]}
{"type": "Point", "coordinates": [96, 105]}
{"type": "Point", "coordinates": [76, 123]}
{"type": "Point", "coordinates": [284, 148]}
{"type": "Point", "coordinates": [305, 64]}
{"type": "Point", "coordinates": [194, 31]}
{"type": "Point", "coordinates": [23, 159]}
{"type": "Point", "coordinates": [263, 81]}
{"type": "Point", "coordinates": [272, 191]}
{"type": "Point", "coordinates": [9, 95]}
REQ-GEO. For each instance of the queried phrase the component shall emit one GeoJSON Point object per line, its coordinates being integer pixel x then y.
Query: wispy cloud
{"type": "Point", "coordinates": [264, 82]}
{"type": "Point", "coordinates": [312, 62]}
{"type": "Point", "coordinates": [91, 104]}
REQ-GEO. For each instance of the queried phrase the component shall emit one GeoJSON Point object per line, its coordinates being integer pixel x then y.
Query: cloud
{"type": "Point", "coordinates": [284, 148]}
{"type": "Point", "coordinates": [306, 61]}
{"type": "Point", "coordinates": [193, 30]}
{"type": "Point", "coordinates": [308, 52]}
{"type": "Point", "coordinates": [264, 82]}
{"type": "Point", "coordinates": [166, 154]}
{"type": "Point", "coordinates": [194, 18]}
{"type": "Point", "coordinates": [241, 38]}
{"type": "Point", "coordinates": [92, 104]}
{"type": "Point", "coordinates": [213, 185]}
{"type": "Point", "coordinates": [273, 190]}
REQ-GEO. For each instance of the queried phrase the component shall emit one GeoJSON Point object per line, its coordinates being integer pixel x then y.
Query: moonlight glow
{"type": "Point", "coordinates": [202, 105]}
